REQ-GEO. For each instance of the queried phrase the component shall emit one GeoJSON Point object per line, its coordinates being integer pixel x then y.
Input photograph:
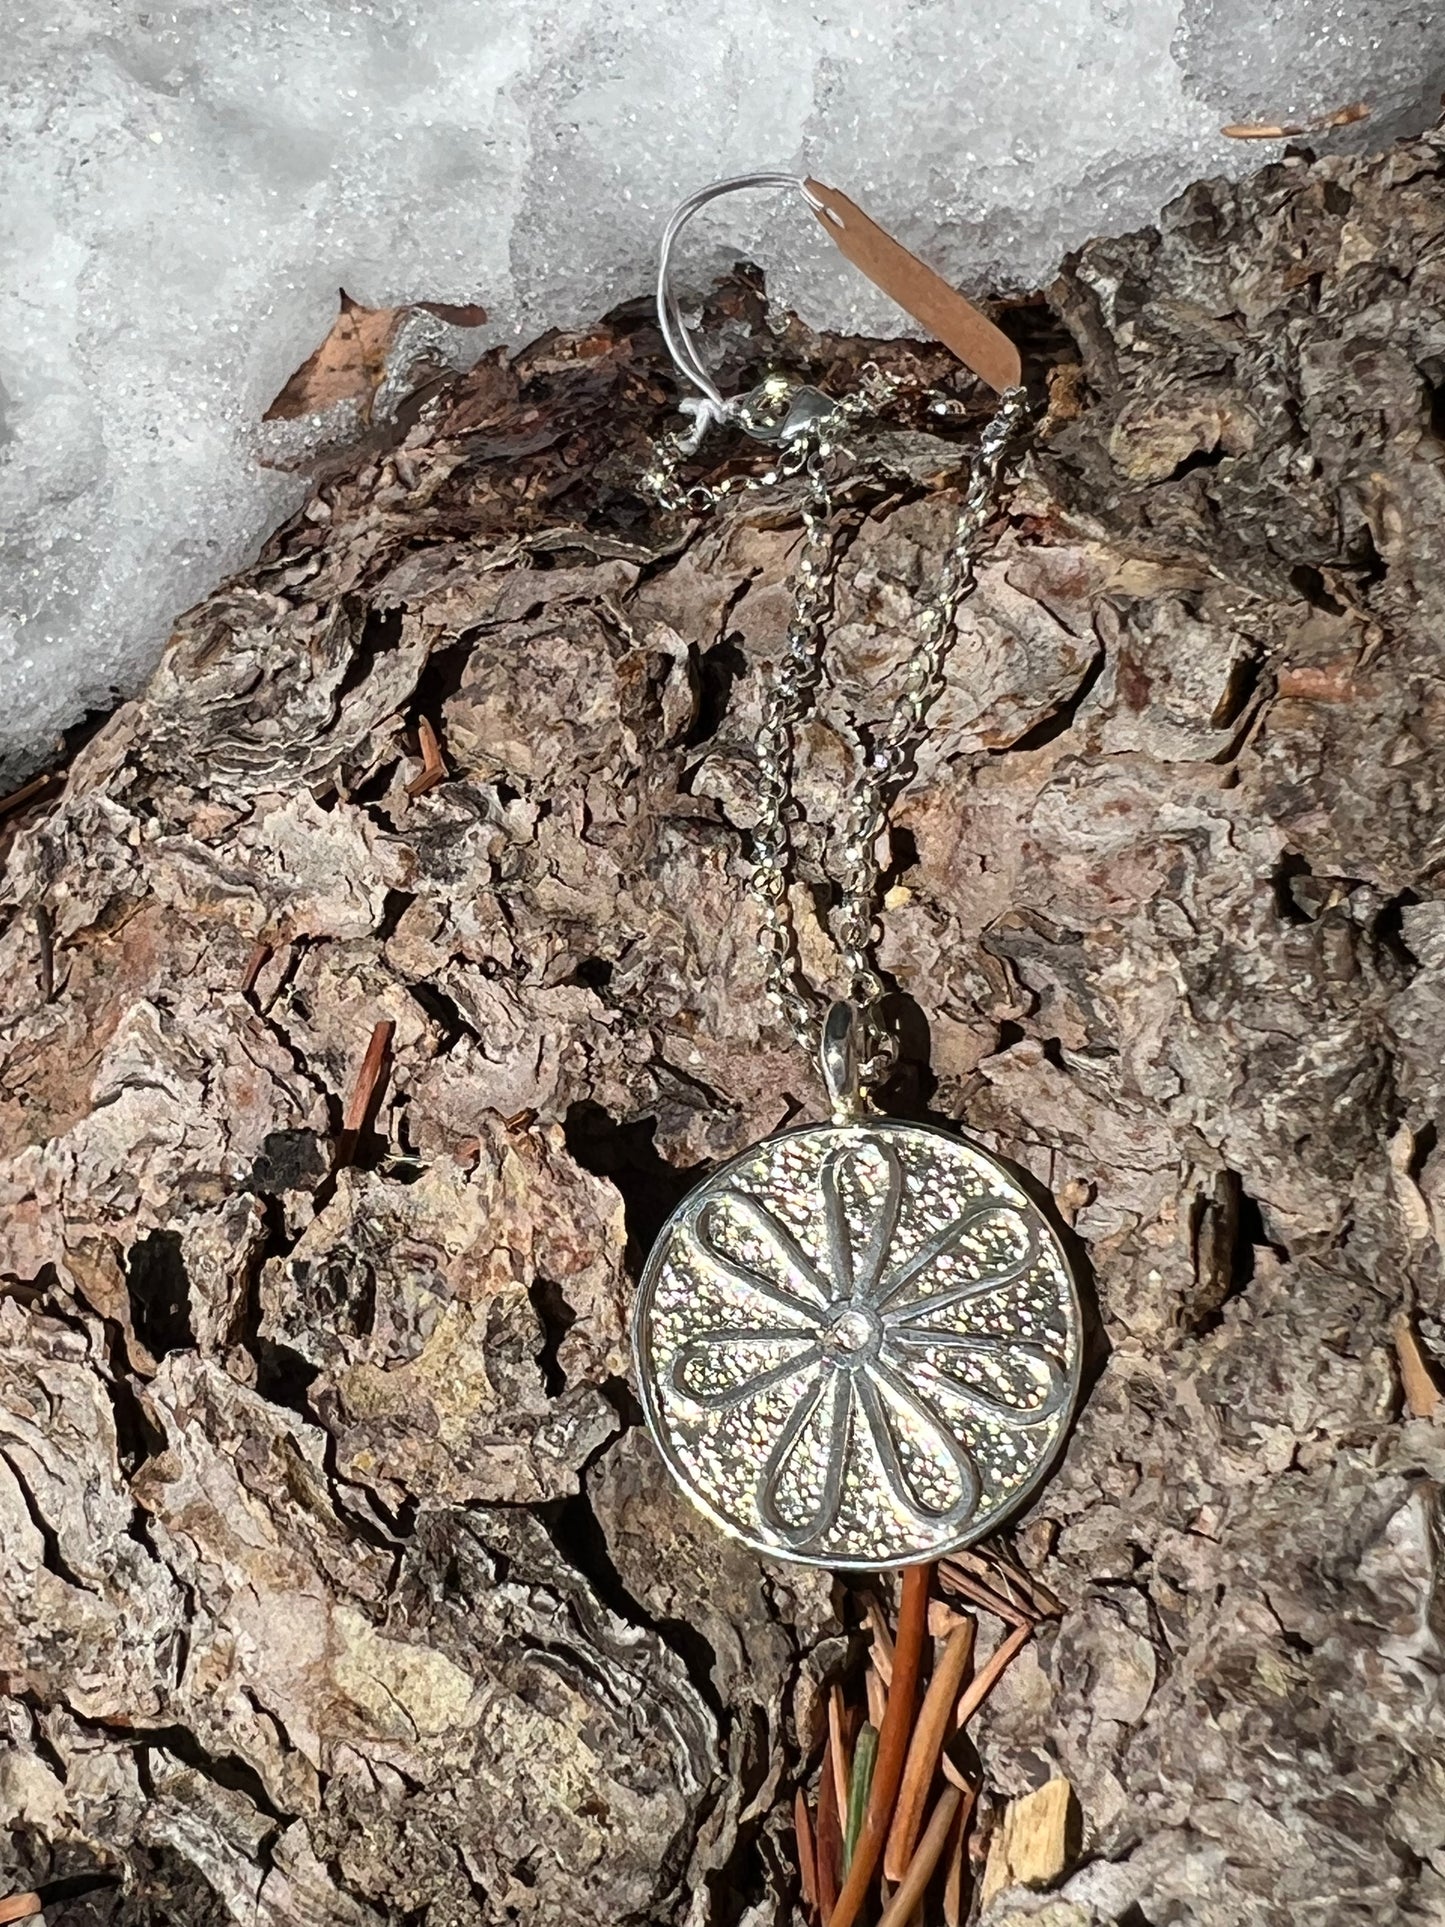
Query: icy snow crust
{"type": "Point", "coordinates": [184, 188]}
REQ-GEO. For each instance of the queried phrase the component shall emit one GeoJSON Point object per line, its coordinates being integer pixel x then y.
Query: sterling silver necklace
{"type": "Point", "coordinates": [858, 1343]}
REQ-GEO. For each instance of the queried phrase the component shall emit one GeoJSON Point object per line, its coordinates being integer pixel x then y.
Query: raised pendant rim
{"type": "Point", "coordinates": [647, 1372]}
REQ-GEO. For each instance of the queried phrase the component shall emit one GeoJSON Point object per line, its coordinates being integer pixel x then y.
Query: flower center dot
{"type": "Point", "coordinates": [852, 1331]}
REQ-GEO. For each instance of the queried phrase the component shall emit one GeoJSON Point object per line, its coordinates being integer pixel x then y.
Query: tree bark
{"type": "Point", "coordinates": [340, 1584]}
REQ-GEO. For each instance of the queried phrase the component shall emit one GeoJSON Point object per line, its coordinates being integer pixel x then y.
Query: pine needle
{"type": "Point", "coordinates": [838, 1746]}
{"type": "Point", "coordinates": [893, 1741]}
{"type": "Point", "coordinates": [807, 1854]}
{"type": "Point", "coordinates": [998, 1664]}
{"type": "Point", "coordinates": [860, 1784]}
{"type": "Point", "coordinates": [923, 1752]}
{"type": "Point", "coordinates": [920, 1869]}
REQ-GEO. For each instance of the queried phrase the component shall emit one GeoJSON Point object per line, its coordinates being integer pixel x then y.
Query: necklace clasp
{"type": "Point", "coordinates": [780, 409]}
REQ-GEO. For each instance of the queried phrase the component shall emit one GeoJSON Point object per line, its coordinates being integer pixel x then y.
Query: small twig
{"type": "Point", "coordinates": [20, 1907]}
{"type": "Point", "coordinates": [1262, 130]}
{"type": "Point", "coordinates": [45, 938]}
{"type": "Point", "coordinates": [433, 764]}
{"type": "Point", "coordinates": [920, 1868]}
{"type": "Point", "coordinates": [892, 1745]}
{"type": "Point", "coordinates": [943, 1619]}
{"type": "Point", "coordinates": [1046, 1604]}
{"type": "Point", "coordinates": [999, 1661]}
{"type": "Point", "coordinates": [927, 1743]}
{"type": "Point", "coordinates": [16, 800]}
{"type": "Point", "coordinates": [364, 1092]}
{"type": "Point", "coordinates": [838, 1746]}
{"type": "Point", "coordinates": [807, 1860]}
{"type": "Point", "coordinates": [255, 964]}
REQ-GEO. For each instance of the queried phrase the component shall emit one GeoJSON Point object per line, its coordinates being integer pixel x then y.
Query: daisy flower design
{"type": "Point", "coordinates": [858, 1344]}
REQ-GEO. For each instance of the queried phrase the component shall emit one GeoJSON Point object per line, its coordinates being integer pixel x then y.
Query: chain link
{"type": "Point", "coordinates": [888, 761]}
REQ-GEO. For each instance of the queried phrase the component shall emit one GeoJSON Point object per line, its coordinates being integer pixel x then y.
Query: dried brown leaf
{"type": "Point", "coordinates": [466, 314]}
{"type": "Point", "coordinates": [350, 365]}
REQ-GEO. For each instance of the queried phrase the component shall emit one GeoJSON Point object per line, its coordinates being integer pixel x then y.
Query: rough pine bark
{"type": "Point", "coordinates": [339, 1584]}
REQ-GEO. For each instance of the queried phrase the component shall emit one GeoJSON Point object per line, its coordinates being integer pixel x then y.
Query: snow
{"type": "Point", "coordinates": [184, 188]}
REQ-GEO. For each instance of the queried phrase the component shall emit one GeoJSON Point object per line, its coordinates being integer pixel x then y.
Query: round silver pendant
{"type": "Point", "coordinates": [858, 1345]}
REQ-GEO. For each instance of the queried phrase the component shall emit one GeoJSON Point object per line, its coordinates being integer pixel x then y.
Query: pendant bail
{"type": "Point", "coordinates": [841, 1057]}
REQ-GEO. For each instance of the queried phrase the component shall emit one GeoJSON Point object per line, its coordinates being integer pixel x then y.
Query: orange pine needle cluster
{"type": "Point", "coordinates": [920, 1801]}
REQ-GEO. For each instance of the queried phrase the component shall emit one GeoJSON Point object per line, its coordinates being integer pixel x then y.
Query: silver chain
{"type": "Point", "coordinates": [886, 763]}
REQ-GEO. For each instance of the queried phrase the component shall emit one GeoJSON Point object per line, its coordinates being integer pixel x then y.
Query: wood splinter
{"type": "Point", "coordinates": [1418, 1382]}
{"type": "Point", "coordinates": [1279, 130]}
{"type": "Point", "coordinates": [260, 955]}
{"type": "Point", "coordinates": [45, 942]}
{"type": "Point", "coordinates": [30, 792]}
{"type": "Point", "coordinates": [1035, 1841]}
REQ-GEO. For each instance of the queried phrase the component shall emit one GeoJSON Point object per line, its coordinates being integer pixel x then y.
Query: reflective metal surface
{"type": "Point", "coordinates": [858, 1344]}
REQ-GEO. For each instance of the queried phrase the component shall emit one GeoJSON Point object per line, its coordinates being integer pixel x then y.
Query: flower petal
{"type": "Point", "coordinates": [830, 1400]}
{"type": "Point", "coordinates": [792, 1261]}
{"type": "Point", "coordinates": [922, 1340]}
{"type": "Point", "coordinates": [944, 1246]}
{"type": "Point", "coordinates": [860, 1280]}
{"type": "Point", "coordinates": [746, 1381]}
{"type": "Point", "coordinates": [948, 1451]}
{"type": "Point", "coordinates": [835, 1218]}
